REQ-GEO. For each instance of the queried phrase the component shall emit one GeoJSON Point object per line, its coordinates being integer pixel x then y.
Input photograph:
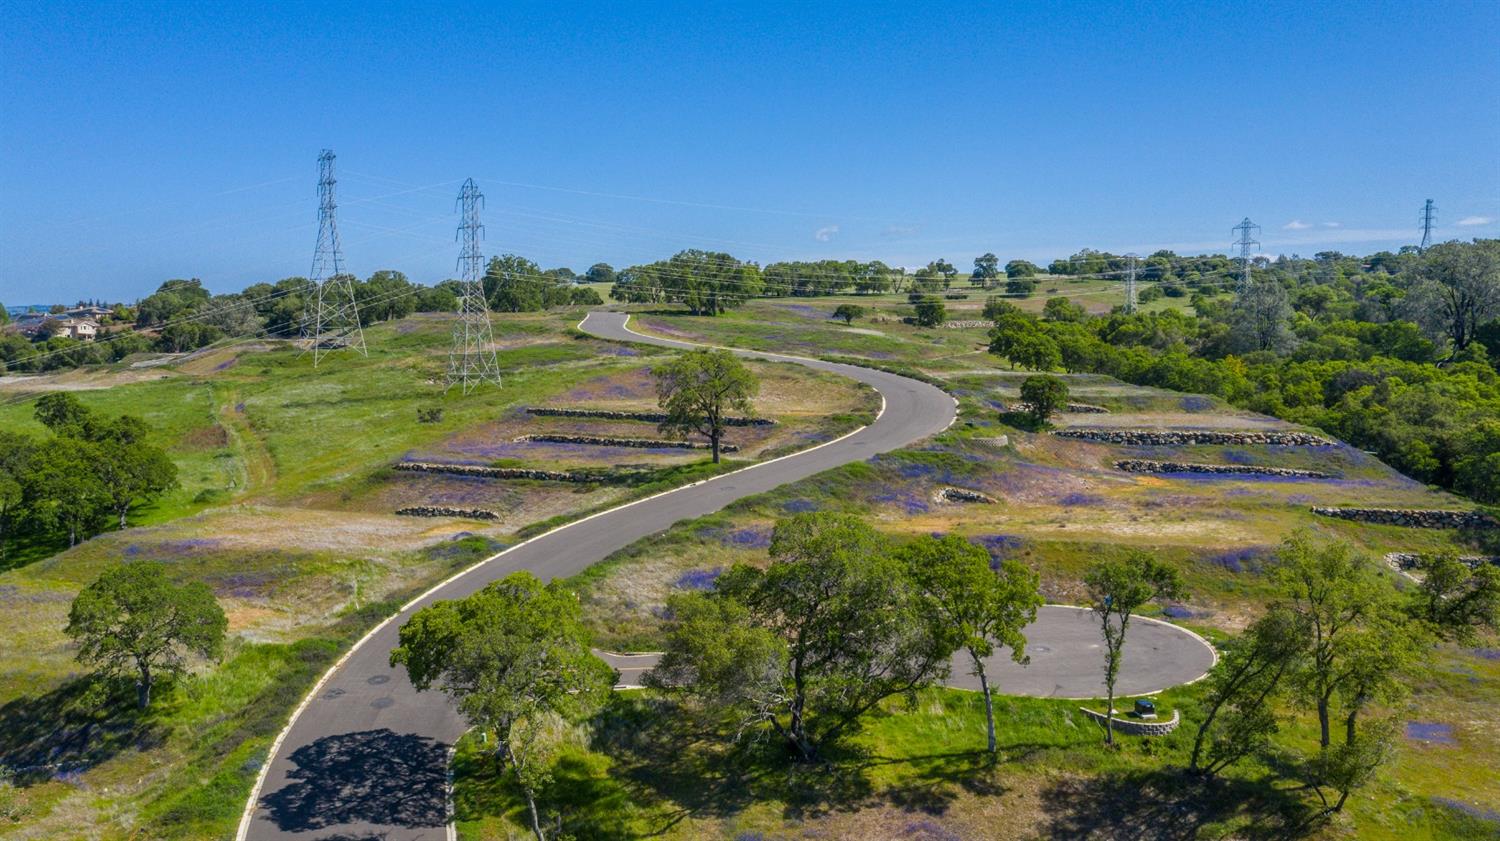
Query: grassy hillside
{"type": "Point", "coordinates": [287, 511]}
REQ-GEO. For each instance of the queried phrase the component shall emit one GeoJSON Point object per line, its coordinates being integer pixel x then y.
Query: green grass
{"type": "Point", "coordinates": [277, 459]}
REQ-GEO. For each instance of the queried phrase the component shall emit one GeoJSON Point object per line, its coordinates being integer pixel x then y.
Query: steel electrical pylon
{"type": "Point", "coordinates": [1245, 229]}
{"type": "Point", "coordinates": [331, 322]}
{"type": "Point", "coordinates": [471, 361]}
{"type": "Point", "coordinates": [1429, 216]}
{"type": "Point", "coordinates": [1130, 267]}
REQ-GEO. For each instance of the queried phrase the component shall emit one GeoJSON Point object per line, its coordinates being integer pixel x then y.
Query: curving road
{"type": "Point", "coordinates": [366, 756]}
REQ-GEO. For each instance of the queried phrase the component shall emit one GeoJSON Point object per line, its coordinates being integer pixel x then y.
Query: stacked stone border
{"type": "Point", "coordinates": [963, 495]}
{"type": "Point", "coordinates": [603, 441]}
{"type": "Point", "coordinates": [1408, 560]}
{"type": "Point", "coordinates": [1071, 408]}
{"type": "Point", "coordinates": [610, 414]}
{"type": "Point", "coordinates": [1415, 518]}
{"type": "Point", "coordinates": [1140, 465]}
{"type": "Point", "coordinates": [501, 472]}
{"type": "Point", "coordinates": [1136, 726]}
{"type": "Point", "coordinates": [1158, 437]}
{"type": "Point", "coordinates": [441, 511]}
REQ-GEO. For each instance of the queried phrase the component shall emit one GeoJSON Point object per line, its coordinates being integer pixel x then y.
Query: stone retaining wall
{"type": "Point", "coordinates": [653, 417]}
{"type": "Point", "coordinates": [1408, 560]}
{"type": "Point", "coordinates": [1160, 437]}
{"type": "Point", "coordinates": [1412, 517]}
{"type": "Point", "coordinates": [962, 495]}
{"type": "Point", "coordinates": [642, 443]}
{"type": "Point", "coordinates": [440, 511]}
{"type": "Point", "coordinates": [1073, 408]}
{"type": "Point", "coordinates": [1137, 726]}
{"type": "Point", "coordinates": [966, 324]}
{"type": "Point", "coordinates": [499, 472]}
{"type": "Point", "coordinates": [1138, 465]}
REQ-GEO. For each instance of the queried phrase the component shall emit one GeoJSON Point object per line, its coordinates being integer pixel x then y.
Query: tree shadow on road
{"type": "Point", "coordinates": [376, 776]}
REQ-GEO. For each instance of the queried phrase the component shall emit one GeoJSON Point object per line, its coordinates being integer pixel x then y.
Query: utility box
{"type": "Point", "coordinates": [1145, 708]}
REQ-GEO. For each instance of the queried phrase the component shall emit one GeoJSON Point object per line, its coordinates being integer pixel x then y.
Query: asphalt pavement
{"type": "Point", "coordinates": [367, 756]}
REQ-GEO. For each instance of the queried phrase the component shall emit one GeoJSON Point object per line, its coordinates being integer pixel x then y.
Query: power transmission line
{"type": "Point", "coordinates": [1245, 229]}
{"type": "Point", "coordinates": [1130, 302]}
{"type": "Point", "coordinates": [1429, 216]}
{"type": "Point", "coordinates": [471, 360]}
{"type": "Point", "coordinates": [335, 313]}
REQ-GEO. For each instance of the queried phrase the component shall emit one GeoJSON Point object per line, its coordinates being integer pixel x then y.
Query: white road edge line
{"type": "Point", "coordinates": [248, 815]}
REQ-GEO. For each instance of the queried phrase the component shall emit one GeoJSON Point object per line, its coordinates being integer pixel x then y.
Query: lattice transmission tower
{"type": "Point", "coordinates": [1429, 216]}
{"type": "Point", "coordinates": [1246, 230]}
{"type": "Point", "coordinates": [331, 322]}
{"type": "Point", "coordinates": [1130, 267]}
{"type": "Point", "coordinates": [471, 361]}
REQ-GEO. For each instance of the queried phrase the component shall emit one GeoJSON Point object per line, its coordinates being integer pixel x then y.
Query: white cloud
{"type": "Point", "coordinates": [899, 231]}
{"type": "Point", "coordinates": [1475, 220]}
{"type": "Point", "coordinates": [1295, 225]}
{"type": "Point", "coordinates": [1333, 224]}
{"type": "Point", "coordinates": [825, 234]}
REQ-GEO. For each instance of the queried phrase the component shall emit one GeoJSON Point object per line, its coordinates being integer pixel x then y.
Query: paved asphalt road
{"type": "Point", "coordinates": [1067, 659]}
{"type": "Point", "coordinates": [367, 756]}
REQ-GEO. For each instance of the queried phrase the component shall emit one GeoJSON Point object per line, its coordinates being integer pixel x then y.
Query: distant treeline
{"type": "Point", "coordinates": [1394, 353]}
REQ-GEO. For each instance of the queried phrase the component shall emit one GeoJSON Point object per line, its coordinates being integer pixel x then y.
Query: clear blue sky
{"type": "Point", "coordinates": [141, 142]}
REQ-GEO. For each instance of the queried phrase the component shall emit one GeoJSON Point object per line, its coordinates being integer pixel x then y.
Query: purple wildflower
{"type": "Point", "coordinates": [1430, 731]}
{"type": "Point", "coordinates": [698, 579]}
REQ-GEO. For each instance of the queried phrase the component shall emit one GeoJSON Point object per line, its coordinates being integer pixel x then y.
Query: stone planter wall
{"type": "Point", "coordinates": [440, 511]}
{"type": "Point", "coordinates": [1159, 437]}
{"type": "Point", "coordinates": [499, 472]}
{"type": "Point", "coordinates": [1412, 517]}
{"type": "Point", "coordinates": [652, 417]}
{"type": "Point", "coordinates": [641, 443]}
{"type": "Point", "coordinates": [1408, 560]}
{"type": "Point", "coordinates": [1137, 726]}
{"type": "Point", "coordinates": [1137, 465]}
{"type": "Point", "coordinates": [962, 495]}
{"type": "Point", "coordinates": [1071, 408]}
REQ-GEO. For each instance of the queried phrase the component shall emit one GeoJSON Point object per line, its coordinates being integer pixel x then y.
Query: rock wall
{"type": "Point", "coordinates": [653, 417]}
{"type": "Point", "coordinates": [440, 511]}
{"type": "Point", "coordinates": [1408, 560]}
{"type": "Point", "coordinates": [499, 472]}
{"type": "Point", "coordinates": [966, 324]}
{"type": "Point", "coordinates": [642, 443]}
{"type": "Point", "coordinates": [1073, 408]}
{"type": "Point", "coordinates": [1137, 726]}
{"type": "Point", "coordinates": [1138, 465]}
{"type": "Point", "coordinates": [1412, 517]}
{"type": "Point", "coordinates": [1172, 437]}
{"type": "Point", "coordinates": [962, 495]}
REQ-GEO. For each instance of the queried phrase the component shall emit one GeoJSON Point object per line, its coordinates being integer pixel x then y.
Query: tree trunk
{"type": "Point", "coordinates": [143, 688]}
{"type": "Point", "coordinates": [989, 704]}
{"type": "Point", "coordinates": [124, 509]}
{"type": "Point", "coordinates": [713, 437]}
{"type": "Point", "coordinates": [536, 823]}
{"type": "Point", "coordinates": [72, 536]}
{"type": "Point", "coordinates": [1349, 724]}
{"type": "Point", "coordinates": [1323, 737]}
{"type": "Point", "coordinates": [1109, 714]}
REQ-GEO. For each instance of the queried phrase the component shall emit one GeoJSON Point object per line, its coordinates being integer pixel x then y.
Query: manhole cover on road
{"type": "Point", "coordinates": [333, 693]}
{"type": "Point", "coordinates": [379, 679]}
{"type": "Point", "coordinates": [1038, 649]}
{"type": "Point", "coordinates": [382, 703]}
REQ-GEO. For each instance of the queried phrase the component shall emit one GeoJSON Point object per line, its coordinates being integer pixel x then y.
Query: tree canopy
{"type": "Point", "coordinates": [134, 620]}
